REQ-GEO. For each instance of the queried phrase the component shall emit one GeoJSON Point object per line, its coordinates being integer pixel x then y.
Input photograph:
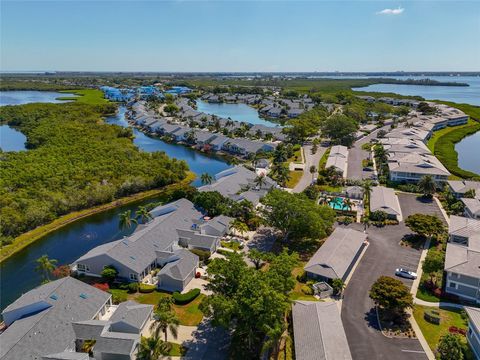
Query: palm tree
{"type": "Point", "coordinates": [282, 174]}
{"type": "Point", "coordinates": [152, 348]}
{"type": "Point", "coordinates": [348, 203]}
{"type": "Point", "coordinates": [87, 346]}
{"type": "Point", "coordinates": [165, 319]}
{"type": "Point", "coordinates": [260, 181]}
{"type": "Point", "coordinates": [206, 178]}
{"type": "Point", "coordinates": [240, 226]}
{"type": "Point", "coordinates": [143, 214]}
{"type": "Point", "coordinates": [45, 266]}
{"type": "Point", "coordinates": [126, 220]}
{"type": "Point", "coordinates": [323, 199]}
{"type": "Point", "coordinates": [427, 185]}
{"type": "Point", "coordinates": [313, 171]}
{"type": "Point", "coordinates": [367, 190]}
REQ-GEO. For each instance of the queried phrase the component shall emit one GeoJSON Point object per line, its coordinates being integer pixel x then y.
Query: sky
{"type": "Point", "coordinates": [239, 35]}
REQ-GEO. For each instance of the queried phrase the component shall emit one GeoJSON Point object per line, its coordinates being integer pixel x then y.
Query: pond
{"type": "Point", "coordinates": [11, 139]}
{"type": "Point", "coordinates": [17, 273]}
{"type": "Point", "coordinates": [26, 97]}
{"type": "Point", "coordinates": [467, 150]}
{"type": "Point", "coordinates": [238, 112]}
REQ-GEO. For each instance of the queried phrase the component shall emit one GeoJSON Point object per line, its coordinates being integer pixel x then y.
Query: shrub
{"type": "Point", "coordinates": [109, 273]}
{"type": "Point", "coordinates": [302, 277]}
{"type": "Point", "coordinates": [432, 316]}
{"type": "Point", "coordinates": [224, 252]}
{"type": "Point", "coordinates": [183, 299]}
{"type": "Point", "coordinates": [145, 288]}
{"type": "Point", "coordinates": [118, 296]}
{"type": "Point", "coordinates": [132, 287]}
{"type": "Point", "coordinates": [202, 254]}
{"type": "Point", "coordinates": [307, 290]}
{"type": "Point", "coordinates": [198, 275]}
{"type": "Point", "coordinates": [100, 286]}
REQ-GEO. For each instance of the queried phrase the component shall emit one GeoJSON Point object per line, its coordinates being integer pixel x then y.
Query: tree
{"type": "Point", "coordinates": [151, 348]}
{"type": "Point", "coordinates": [126, 221]}
{"type": "Point", "coordinates": [165, 319]}
{"type": "Point", "coordinates": [212, 202]}
{"type": "Point", "coordinates": [281, 173]}
{"type": "Point", "coordinates": [61, 271]}
{"type": "Point", "coordinates": [433, 263]}
{"type": "Point", "coordinates": [240, 226]}
{"type": "Point", "coordinates": [260, 181]}
{"type": "Point", "coordinates": [425, 225]}
{"type": "Point", "coordinates": [143, 215]}
{"type": "Point", "coordinates": [338, 285]}
{"type": "Point", "coordinates": [367, 189]}
{"type": "Point", "coordinates": [348, 203]}
{"type": "Point", "coordinates": [296, 216]}
{"type": "Point", "coordinates": [313, 171]}
{"type": "Point", "coordinates": [45, 267]}
{"type": "Point", "coordinates": [206, 178]}
{"type": "Point", "coordinates": [469, 194]}
{"type": "Point", "coordinates": [427, 186]}
{"type": "Point", "coordinates": [391, 294]}
{"type": "Point", "coordinates": [258, 257]}
{"type": "Point", "coordinates": [109, 273]}
{"type": "Point", "coordinates": [451, 347]}
{"type": "Point", "coordinates": [340, 129]}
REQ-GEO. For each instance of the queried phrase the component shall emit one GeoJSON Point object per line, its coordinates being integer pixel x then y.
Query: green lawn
{"type": "Point", "coordinates": [295, 177]}
{"type": "Point", "coordinates": [177, 349]}
{"type": "Point", "coordinates": [323, 160]}
{"type": "Point", "coordinates": [297, 157]}
{"type": "Point", "coordinates": [297, 293]}
{"type": "Point", "coordinates": [439, 133]}
{"type": "Point", "coordinates": [433, 333]}
{"type": "Point", "coordinates": [87, 96]}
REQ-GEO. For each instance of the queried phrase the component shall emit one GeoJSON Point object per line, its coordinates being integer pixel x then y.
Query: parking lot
{"type": "Point", "coordinates": [412, 204]}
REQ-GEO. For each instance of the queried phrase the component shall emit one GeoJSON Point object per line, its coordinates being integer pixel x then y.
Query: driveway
{"type": "Point", "coordinates": [207, 343]}
{"type": "Point", "coordinates": [309, 161]}
{"type": "Point", "coordinates": [382, 257]}
{"type": "Point", "coordinates": [414, 204]}
{"type": "Point", "coordinates": [356, 154]}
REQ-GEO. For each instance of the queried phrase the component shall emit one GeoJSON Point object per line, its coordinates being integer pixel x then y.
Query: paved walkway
{"type": "Point", "coordinates": [440, 304]}
{"type": "Point", "coordinates": [309, 161]}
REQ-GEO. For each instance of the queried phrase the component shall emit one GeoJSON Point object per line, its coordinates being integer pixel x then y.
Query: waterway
{"type": "Point", "coordinates": [11, 139]}
{"type": "Point", "coordinates": [26, 97]}
{"type": "Point", "coordinates": [467, 150]}
{"type": "Point", "coordinates": [17, 273]}
{"type": "Point", "coordinates": [235, 111]}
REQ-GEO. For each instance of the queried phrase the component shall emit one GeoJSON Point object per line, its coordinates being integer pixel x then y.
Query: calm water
{"type": "Point", "coordinates": [467, 150]}
{"type": "Point", "coordinates": [238, 112]}
{"type": "Point", "coordinates": [18, 273]}
{"type": "Point", "coordinates": [11, 139]}
{"type": "Point", "coordinates": [460, 94]}
{"type": "Point", "coordinates": [26, 97]}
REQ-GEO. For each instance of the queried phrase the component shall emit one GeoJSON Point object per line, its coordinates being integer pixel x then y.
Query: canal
{"type": "Point", "coordinates": [17, 273]}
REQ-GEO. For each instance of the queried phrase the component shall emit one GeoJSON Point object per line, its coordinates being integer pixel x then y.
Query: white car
{"type": "Point", "coordinates": [406, 273]}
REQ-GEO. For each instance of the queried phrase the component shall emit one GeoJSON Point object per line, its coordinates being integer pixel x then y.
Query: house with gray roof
{"type": "Point", "coordinates": [462, 259]}
{"type": "Point", "coordinates": [238, 183]}
{"type": "Point", "coordinates": [218, 141]}
{"type": "Point", "coordinates": [473, 332]}
{"type": "Point", "coordinates": [318, 331]}
{"type": "Point", "coordinates": [338, 158]}
{"type": "Point", "coordinates": [246, 147]}
{"type": "Point", "coordinates": [337, 255]}
{"type": "Point", "coordinates": [39, 322]}
{"type": "Point", "coordinates": [472, 207]}
{"type": "Point", "coordinates": [178, 271]}
{"type": "Point", "coordinates": [460, 187]}
{"type": "Point", "coordinates": [384, 199]}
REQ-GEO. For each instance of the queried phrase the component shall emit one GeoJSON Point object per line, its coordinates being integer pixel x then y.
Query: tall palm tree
{"type": "Point", "coordinates": [240, 226]}
{"type": "Point", "coordinates": [313, 171]}
{"type": "Point", "coordinates": [45, 266]}
{"type": "Point", "coordinates": [427, 185]}
{"type": "Point", "coordinates": [126, 221]}
{"type": "Point", "coordinates": [152, 348]}
{"type": "Point", "coordinates": [260, 181]}
{"type": "Point", "coordinates": [367, 189]}
{"type": "Point", "coordinates": [348, 203]}
{"type": "Point", "coordinates": [282, 174]}
{"type": "Point", "coordinates": [143, 214]}
{"type": "Point", "coordinates": [165, 320]}
{"type": "Point", "coordinates": [206, 178]}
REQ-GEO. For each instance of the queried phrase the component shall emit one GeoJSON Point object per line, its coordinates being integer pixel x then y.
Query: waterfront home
{"type": "Point", "coordinates": [384, 199]}
{"type": "Point", "coordinates": [54, 320]}
{"type": "Point", "coordinates": [318, 331]}
{"type": "Point", "coordinates": [338, 158]}
{"type": "Point", "coordinates": [203, 137]}
{"type": "Point", "coordinates": [404, 145]}
{"type": "Point", "coordinates": [472, 207]}
{"type": "Point", "coordinates": [410, 133]}
{"type": "Point", "coordinates": [462, 259]}
{"type": "Point", "coordinates": [153, 244]}
{"type": "Point", "coordinates": [218, 141]}
{"type": "Point", "coordinates": [180, 134]}
{"type": "Point", "coordinates": [337, 255]}
{"type": "Point", "coordinates": [460, 187]}
{"type": "Point", "coordinates": [238, 183]}
{"type": "Point", "coordinates": [473, 333]}
{"type": "Point", "coordinates": [168, 129]}
{"type": "Point", "coordinates": [245, 147]}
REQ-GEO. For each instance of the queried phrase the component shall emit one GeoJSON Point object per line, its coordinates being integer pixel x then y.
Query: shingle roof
{"type": "Point", "coordinates": [462, 186]}
{"type": "Point", "coordinates": [318, 332]}
{"type": "Point", "coordinates": [181, 268]}
{"type": "Point", "coordinates": [473, 205]}
{"type": "Point", "coordinates": [337, 253]}
{"type": "Point", "coordinates": [462, 226]}
{"type": "Point", "coordinates": [50, 331]}
{"type": "Point", "coordinates": [474, 316]}
{"type": "Point", "coordinates": [67, 355]}
{"type": "Point", "coordinates": [462, 260]}
{"type": "Point", "coordinates": [384, 199]}
{"type": "Point", "coordinates": [132, 314]}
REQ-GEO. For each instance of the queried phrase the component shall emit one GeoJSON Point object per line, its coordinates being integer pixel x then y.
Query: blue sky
{"type": "Point", "coordinates": [240, 35]}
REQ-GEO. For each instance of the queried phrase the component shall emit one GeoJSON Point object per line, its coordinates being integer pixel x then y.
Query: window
{"type": "Point", "coordinates": [82, 267]}
{"type": "Point", "coordinates": [133, 277]}
{"type": "Point", "coordinates": [452, 285]}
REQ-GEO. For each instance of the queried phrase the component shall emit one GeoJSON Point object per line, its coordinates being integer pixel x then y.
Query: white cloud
{"type": "Point", "coordinates": [396, 11]}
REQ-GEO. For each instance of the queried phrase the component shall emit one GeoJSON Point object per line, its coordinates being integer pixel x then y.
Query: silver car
{"type": "Point", "coordinates": [407, 274]}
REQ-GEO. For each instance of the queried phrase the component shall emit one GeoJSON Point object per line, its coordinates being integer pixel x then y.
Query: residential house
{"type": "Point", "coordinates": [337, 255]}
{"type": "Point", "coordinates": [338, 159]}
{"type": "Point", "coordinates": [411, 167]}
{"type": "Point", "coordinates": [460, 187]}
{"type": "Point", "coordinates": [472, 207]}
{"type": "Point", "coordinates": [178, 271]}
{"type": "Point", "coordinates": [473, 333]}
{"type": "Point", "coordinates": [384, 199]}
{"type": "Point", "coordinates": [318, 331]}
{"type": "Point", "coordinates": [462, 259]}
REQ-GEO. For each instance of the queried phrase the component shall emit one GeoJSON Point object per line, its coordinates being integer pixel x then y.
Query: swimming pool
{"type": "Point", "coordinates": [337, 204]}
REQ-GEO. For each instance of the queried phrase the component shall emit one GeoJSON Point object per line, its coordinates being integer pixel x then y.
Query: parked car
{"type": "Point", "coordinates": [407, 274]}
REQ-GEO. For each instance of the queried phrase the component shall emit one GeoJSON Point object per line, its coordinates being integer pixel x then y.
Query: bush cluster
{"type": "Point", "coordinates": [182, 299]}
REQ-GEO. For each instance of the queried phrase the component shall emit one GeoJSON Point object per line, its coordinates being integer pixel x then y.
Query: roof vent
{"type": "Point", "coordinates": [83, 296]}
{"type": "Point", "coordinates": [54, 297]}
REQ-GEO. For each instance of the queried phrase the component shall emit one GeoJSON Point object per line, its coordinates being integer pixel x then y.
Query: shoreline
{"type": "Point", "coordinates": [24, 240]}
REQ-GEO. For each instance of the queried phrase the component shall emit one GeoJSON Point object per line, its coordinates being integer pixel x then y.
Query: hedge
{"type": "Point", "coordinates": [432, 317]}
{"type": "Point", "coordinates": [182, 299]}
{"type": "Point", "coordinates": [145, 288]}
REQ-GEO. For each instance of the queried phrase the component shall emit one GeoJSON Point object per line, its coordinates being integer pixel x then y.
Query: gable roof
{"type": "Point", "coordinates": [474, 316]}
{"type": "Point", "coordinates": [181, 268]}
{"type": "Point", "coordinates": [333, 259]}
{"type": "Point", "coordinates": [132, 314]}
{"type": "Point", "coordinates": [318, 331]}
{"type": "Point", "coordinates": [384, 199]}
{"type": "Point", "coordinates": [463, 226]}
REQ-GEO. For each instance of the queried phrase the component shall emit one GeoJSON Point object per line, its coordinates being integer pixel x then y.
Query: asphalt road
{"type": "Point", "coordinates": [309, 161]}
